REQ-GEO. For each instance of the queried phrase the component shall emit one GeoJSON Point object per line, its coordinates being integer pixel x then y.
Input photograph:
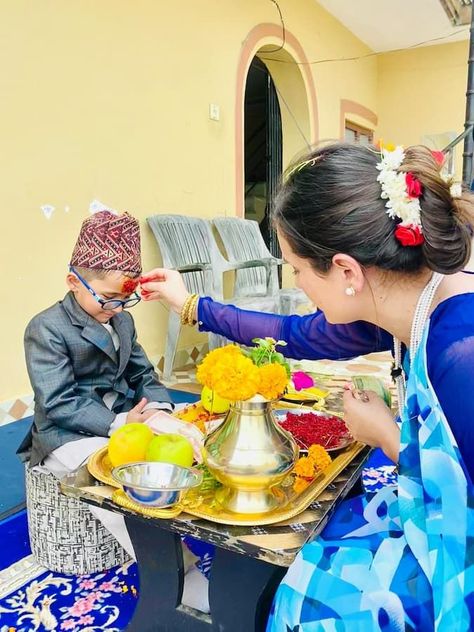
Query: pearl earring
{"type": "Point", "coordinates": [350, 291]}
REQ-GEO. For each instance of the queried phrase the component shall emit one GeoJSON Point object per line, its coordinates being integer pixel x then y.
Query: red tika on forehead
{"type": "Point", "coordinates": [108, 242]}
{"type": "Point", "coordinates": [129, 286]}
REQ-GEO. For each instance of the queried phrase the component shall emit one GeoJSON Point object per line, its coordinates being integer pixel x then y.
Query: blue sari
{"type": "Point", "coordinates": [400, 559]}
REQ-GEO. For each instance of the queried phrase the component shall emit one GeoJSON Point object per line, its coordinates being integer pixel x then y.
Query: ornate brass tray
{"type": "Point", "coordinates": [291, 503]}
{"type": "Point", "coordinates": [101, 468]}
{"type": "Point", "coordinates": [205, 505]}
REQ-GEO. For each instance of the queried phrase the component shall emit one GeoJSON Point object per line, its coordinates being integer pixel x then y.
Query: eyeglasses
{"type": "Point", "coordinates": [112, 303]}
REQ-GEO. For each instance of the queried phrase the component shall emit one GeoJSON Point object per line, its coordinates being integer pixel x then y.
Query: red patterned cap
{"type": "Point", "coordinates": [108, 242]}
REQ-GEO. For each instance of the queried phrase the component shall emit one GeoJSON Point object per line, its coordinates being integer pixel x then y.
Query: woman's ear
{"type": "Point", "coordinates": [352, 273]}
{"type": "Point", "coordinates": [72, 282]}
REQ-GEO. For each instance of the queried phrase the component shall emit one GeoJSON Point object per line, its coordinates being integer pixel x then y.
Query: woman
{"type": "Point", "coordinates": [381, 239]}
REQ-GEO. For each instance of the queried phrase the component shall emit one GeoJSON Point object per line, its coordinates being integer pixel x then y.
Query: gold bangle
{"type": "Point", "coordinates": [188, 310]}
{"type": "Point", "coordinates": [184, 310]}
{"type": "Point", "coordinates": [191, 320]}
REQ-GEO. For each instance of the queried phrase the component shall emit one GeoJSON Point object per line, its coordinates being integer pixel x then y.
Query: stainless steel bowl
{"type": "Point", "coordinates": [156, 484]}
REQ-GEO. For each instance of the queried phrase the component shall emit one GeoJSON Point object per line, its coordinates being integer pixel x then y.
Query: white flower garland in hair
{"type": "Point", "coordinates": [455, 188]}
{"type": "Point", "coordinates": [399, 203]}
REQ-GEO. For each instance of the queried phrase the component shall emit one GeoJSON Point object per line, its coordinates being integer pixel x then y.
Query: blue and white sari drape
{"type": "Point", "coordinates": [403, 558]}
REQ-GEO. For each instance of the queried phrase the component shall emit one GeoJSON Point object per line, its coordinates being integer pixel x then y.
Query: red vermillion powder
{"type": "Point", "coordinates": [129, 286]}
{"type": "Point", "coordinates": [308, 428]}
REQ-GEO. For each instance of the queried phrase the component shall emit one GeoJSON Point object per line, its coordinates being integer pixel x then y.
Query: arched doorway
{"type": "Point", "coordinates": [262, 149]}
{"type": "Point", "coordinates": [291, 74]}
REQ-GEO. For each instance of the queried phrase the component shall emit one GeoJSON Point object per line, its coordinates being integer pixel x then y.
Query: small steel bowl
{"type": "Point", "coordinates": [156, 484]}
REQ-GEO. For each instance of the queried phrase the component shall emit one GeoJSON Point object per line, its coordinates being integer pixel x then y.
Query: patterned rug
{"type": "Point", "coordinates": [34, 599]}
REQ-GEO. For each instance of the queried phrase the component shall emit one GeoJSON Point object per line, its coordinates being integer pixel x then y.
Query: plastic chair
{"type": "Point", "coordinates": [187, 244]}
{"type": "Point", "coordinates": [243, 241]}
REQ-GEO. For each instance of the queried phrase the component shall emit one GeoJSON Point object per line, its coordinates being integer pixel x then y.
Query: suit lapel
{"type": "Point", "coordinates": [92, 330]}
{"type": "Point", "coordinates": [122, 329]}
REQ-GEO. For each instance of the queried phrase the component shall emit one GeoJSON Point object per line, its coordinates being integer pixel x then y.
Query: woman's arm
{"type": "Point", "coordinates": [310, 337]}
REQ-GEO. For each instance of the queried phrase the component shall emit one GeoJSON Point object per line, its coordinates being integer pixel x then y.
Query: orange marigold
{"type": "Point", "coordinates": [319, 456]}
{"type": "Point", "coordinates": [205, 371]}
{"type": "Point", "coordinates": [235, 378]}
{"type": "Point", "coordinates": [300, 484]}
{"type": "Point", "coordinates": [273, 380]}
{"type": "Point", "coordinates": [304, 466]}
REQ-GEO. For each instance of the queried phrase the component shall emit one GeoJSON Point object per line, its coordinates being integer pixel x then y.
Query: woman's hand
{"type": "Point", "coordinates": [161, 284]}
{"type": "Point", "coordinates": [370, 421]}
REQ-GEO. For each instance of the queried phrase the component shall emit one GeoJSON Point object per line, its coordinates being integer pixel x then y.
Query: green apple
{"type": "Point", "coordinates": [212, 402]}
{"type": "Point", "coordinates": [170, 448]}
{"type": "Point", "coordinates": [128, 443]}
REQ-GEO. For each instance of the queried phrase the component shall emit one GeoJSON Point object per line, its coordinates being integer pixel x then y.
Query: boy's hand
{"type": "Point", "coordinates": [137, 415]}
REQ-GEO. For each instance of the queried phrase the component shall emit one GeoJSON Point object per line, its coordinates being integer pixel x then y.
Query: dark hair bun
{"type": "Point", "coordinates": [445, 220]}
{"type": "Point", "coordinates": [331, 202]}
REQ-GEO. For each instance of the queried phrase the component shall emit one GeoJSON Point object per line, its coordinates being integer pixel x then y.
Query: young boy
{"type": "Point", "coordinates": [88, 372]}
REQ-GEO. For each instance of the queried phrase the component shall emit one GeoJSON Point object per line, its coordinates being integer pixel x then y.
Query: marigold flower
{"type": "Point", "coordinates": [304, 466]}
{"type": "Point", "coordinates": [300, 484]}
{"type": "Point", "coordinates": [233, 377]}
{"type": "Point", "coordinates": [273, 380]}
{"type": "Point", "coordinates": [205, 371]}
{"type": "Point", "coordinates": [319, 456]}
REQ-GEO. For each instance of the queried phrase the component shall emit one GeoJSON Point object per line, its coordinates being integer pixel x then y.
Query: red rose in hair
{"type": "Point", "coordinates": [414, 187]}
{"type": "Point", "coordinates": [409, 235]}
{"type": "Point", "coordinates": [439, 157]}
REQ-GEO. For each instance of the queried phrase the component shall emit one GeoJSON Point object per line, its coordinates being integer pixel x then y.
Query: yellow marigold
{"type": "Point", "coordinates": [319, 457]}
{"type": "Point", "coordinates": [205, 370]}
{"type": "Point", "coordinates": [300, 484]}
{"type": "Point", "coordinates": [304, 466]}
{"type": "Point", "coordinates": [273, 380]}
{"type": "Point", "coordinates": [235, 378]}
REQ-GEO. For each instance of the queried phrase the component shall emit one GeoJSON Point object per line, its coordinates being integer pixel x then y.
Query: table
{"type": "Point", "coordinates": [248, 566]}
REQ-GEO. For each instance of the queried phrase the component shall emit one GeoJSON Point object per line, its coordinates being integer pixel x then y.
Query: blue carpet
{"type": "Point", "coordinates": [14, 539]}
{"type": "Point", "coordinates": [51, 601]}
{"type": "Point", "coordinates": [12, 488]}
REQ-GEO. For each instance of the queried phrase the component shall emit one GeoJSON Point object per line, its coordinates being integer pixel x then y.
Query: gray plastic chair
{"type": "Point", "coordinates": [243, 241]}
{"type": "Point", "coordinates": [187, 244]}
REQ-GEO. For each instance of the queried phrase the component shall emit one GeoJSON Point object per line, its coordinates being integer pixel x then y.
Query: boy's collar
{"type": "Point", "coordinates": [92, 330]}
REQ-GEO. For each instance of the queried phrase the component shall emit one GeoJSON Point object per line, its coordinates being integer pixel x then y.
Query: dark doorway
{"type": "Point", "coordinates": [263, 149]}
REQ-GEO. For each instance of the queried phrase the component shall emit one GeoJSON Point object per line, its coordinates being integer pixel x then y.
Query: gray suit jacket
{"type": "Point", "coordinates": [72, 363]}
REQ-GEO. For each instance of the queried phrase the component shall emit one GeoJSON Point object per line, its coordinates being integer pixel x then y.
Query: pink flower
{"type": "Point", "coordinates": [87, 620]}
{"type": "Point", "coordinates": [87, 584]}
{"type": "Point", "coordinates": [94, 596]}
{"type": "Point", "coordinates": [80, 607]}
{"type": "Point", "coordinates": [110, 586]}
{"type": "Point", "coordinates": [301, 380]}
{"type": "Point", "coordinates": [69, 624]}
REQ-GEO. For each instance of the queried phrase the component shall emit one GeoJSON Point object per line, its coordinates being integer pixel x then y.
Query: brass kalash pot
{"type": "Point", "coordinates": [249, 453]}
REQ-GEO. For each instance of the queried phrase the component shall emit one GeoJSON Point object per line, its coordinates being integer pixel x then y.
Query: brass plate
{"type": "Point", "coordinates": [345, 441]}
{"type": "Point", "coordinates": [307, 396]}
{"type": "Point", "coordinates": [101, 468]}
{"type": "Point", "coordinates": [291, 504]}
